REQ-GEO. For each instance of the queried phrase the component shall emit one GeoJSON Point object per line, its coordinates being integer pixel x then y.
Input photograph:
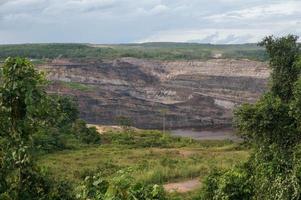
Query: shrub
{"type": "Point", "coordinates": [120, 187]}
{"type": "Point", "coordinates": [232, 184]}
{"type": "Point", "coordinates": [85, 134]}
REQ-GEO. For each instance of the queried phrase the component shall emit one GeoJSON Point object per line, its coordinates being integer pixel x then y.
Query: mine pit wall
{"type": "Point", "coordinates": [188, 93]}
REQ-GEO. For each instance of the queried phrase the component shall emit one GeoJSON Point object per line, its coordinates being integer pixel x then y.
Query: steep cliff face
{"type": "Point", "coordinates": [185, 93]}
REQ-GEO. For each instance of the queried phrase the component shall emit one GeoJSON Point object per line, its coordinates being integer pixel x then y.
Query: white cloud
{"type": "Point", "coordinates": [262, 11]}
{"type": "Point", "coordinates": [149, 11]}
{"type": "Point", "coordinates": [115, 21]}
{"type": "Point", "coordinates": [215, 36]}
{"type": "Point", "coordinates": [159, 9]}
{"type": "Point", "coordinates": [79, 6]}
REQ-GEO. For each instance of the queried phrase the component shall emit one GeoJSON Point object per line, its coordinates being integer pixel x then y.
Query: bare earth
{"type": "Point", "coordinates": [102, 129]}
{"type": "Point", "coordinates": [182, 187]}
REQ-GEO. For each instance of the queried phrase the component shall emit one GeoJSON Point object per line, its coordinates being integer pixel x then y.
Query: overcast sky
{"type": "Point", "coordinates": [127, 21]}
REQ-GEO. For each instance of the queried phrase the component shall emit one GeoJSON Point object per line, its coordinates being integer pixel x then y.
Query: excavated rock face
{"type": "Point", "coordinates": [184, 93]}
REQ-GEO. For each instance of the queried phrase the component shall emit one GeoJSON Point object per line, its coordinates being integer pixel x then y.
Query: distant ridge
{"type": "Point", "coordinates": [151, 50]}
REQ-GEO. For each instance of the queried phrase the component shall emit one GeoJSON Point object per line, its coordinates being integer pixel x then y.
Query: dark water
{"type": "Point", "coordinates": [207, 134]}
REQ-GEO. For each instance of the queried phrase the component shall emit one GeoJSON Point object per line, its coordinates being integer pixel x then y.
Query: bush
{"type": "Point", "coordinates": [121, 187]}
{"type": "Point", "coordinates": [40, 185]}
{"type": "Point", "coordinates": [85, 134]}
{"type": "Point", "coordinates": [59, 113]}
{"type": "Point", "coordinates": [232, 184]}
{"type": "Point", "coordinates": [148, 138]}
{"type": "Point", "coordinates": [50, 140]}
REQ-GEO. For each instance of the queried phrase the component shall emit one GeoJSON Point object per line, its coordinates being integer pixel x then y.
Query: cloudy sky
{"type": "Point", "coordinates": [127, 21]}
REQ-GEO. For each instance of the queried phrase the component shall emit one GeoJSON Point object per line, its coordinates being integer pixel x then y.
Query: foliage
{"type": "Point", "coordinates": [231, 184]}
{"type": "Point", "coordinates": [22, 113]}
{"type": "Point", "coordinates": [270, 120]}
{"type": "Point", "coordinates": [120, 187]}
{"type": "Point", "coordinates": [85, 134]}
{"type": "Point", "coordinates": [271, 126]}
{"type": "Point", "coordinates": [63, 126]}
{"type": "Point", "coordinates": [283, 53]}
{"type": "Point", "coordinates": [60, 113]}
{"type": "Point", "coordinates": [20, 95]}
{"type": "Point", "coordinates": [151, 138]}
{"type": "Point", "coordinates": [124, 122]}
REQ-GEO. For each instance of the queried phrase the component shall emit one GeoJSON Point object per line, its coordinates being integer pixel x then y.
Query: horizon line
{"type": "Point", "coordinates": [128, 43]}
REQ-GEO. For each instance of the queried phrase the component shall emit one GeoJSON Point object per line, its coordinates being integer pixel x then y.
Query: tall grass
{"type": "Point", "coordinates": [154, 157]}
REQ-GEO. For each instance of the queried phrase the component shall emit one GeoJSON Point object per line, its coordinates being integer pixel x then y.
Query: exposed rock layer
{"type": "Point", "coordinates": [185, 93]}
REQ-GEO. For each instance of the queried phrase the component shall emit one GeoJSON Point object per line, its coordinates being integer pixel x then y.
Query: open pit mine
{"type": "Point", "coordinates": [174, 94]}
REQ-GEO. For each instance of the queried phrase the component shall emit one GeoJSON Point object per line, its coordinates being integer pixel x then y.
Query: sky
{"type": "Point", "coordinates": [131, 21]}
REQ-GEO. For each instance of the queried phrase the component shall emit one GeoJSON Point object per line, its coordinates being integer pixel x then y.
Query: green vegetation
{"type": "Point", "coordinates": [33, 122]}
{"type": "Point", "coordinates": [78, 86]}
{"type": "Point", "coordinates": [121, 186]}
{"type": "Point", "coordinates": [23, 108]}
{"type": "Point", "coordinates": [150, 157]}
{"type": "Point", "coordinates": [160, 51]}
{"type": "Point", "coordinates": [155, 157]}
{"type": "Point", "coordinates": [272, 127]}
{"type": "Point", "coordinates": [64, 130]}
{"type": "Point", "coordinates": [84, 134]}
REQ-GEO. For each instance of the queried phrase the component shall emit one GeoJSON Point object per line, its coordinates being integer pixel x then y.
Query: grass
{"type": "Point", "coordinates": [152, 156]}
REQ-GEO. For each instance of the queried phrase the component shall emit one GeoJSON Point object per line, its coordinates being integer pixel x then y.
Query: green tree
{"type": "Point", "coordinates": [283, 54]}
{"type": "Point", "coordinates": [271, 124]}
{"type": "Point", "coordinates": [59, 115]}
{"type": "Point", "coordinates": [230, 184]}
{"type": "Point", "coordinates": [87, 135]}
{"type": "Point", "coordinates": [23, 111]}
{"type": "Point", "coordinates": [124, 122]}
{"type": "Point", "coordinates": [272, 127]}
{"type": "Point", "coordinates": [20, 94]}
